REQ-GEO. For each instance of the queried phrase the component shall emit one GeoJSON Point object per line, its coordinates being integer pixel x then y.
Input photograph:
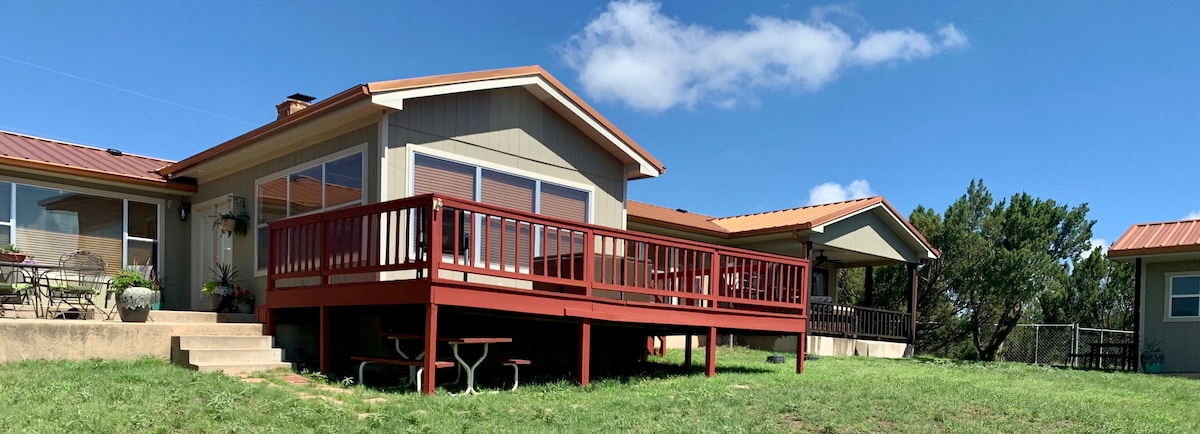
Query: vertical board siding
{"type": "Point", "coordinates": [1179, 340]}
{"type": "Point", "coordinates": [508, 128]}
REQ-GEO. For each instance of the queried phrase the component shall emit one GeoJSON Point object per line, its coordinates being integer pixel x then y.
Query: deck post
{"type": "Point", "coordinates": [324, 338]}
{"type": "Point", "coordinates": [430, 370]}
{"type": "Point", "coordinates": [869, 286]}
{"type": "Point", "coordinates": [687, 349]}
{"type": "Point", "coordinates": [585, 351]}
{"type": "Point", "coordinates": [801, 351]}
{"type": "Point", "coordinates": [710, 353]}
{"type": "Point", "coordinates": [1137, 312]}
{"type": "Point", "coordinates": [267, 316]}
{"type": "Point", "coordinates": [912, 304]}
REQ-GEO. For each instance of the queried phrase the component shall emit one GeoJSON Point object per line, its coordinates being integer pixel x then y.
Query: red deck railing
{"type": "Point", "coordinates": [547, 254]}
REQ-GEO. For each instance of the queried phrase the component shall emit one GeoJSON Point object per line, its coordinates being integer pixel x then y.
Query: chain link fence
{"type": "Point", "coordinates": [1052, 344]}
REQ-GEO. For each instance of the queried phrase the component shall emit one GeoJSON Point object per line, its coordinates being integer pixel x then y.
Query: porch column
{"type": "Point", "coordinates": [430, 370]}
{"type": "Point", "coordinates": [869, 287]}
{"type": "Point", "coordinates": [323, 338]}
{"type": "Point", "coordinates": [710, 353]}
{"type": "Point", "coordinates": [687, 350]}
{"type": "Point", "coordinates": [801, 351]}
{"type": "Point", "coordinates": [1137, 310]}
{"type": "Point", "coordinates": [585, 352]}
{"type": "Point", "coordinates": [912, 303]}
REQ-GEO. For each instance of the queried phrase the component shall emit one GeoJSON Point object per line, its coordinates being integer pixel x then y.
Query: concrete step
{"type": "Point", "coordinates": [233, 355]}
{"type": "Point", "coordinates": [238, 368]}
{"type": "Point", "coordinates": [200, 317]}
{"type": "Point", "coordinates": [206, 329]}
{"type": "Point", "coordinates": [220, 342]}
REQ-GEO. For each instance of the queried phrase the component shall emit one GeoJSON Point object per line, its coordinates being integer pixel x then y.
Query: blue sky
{"type": "Point", "coordinates": [751, 105]}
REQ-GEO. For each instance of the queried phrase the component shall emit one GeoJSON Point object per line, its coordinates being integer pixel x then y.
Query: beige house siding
{"type": "Point", "coordinates": [242, 184]}
{"type": "Point", "coordinates": [509, 129]}
{"type": "Point", "coordinates": [1179, 340]}
{"type": "Point", "coordinates": [868, 234]}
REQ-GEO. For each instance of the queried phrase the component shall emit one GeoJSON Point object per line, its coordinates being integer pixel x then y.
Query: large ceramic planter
{"type": "Point", "coordinates": [134, 304]}
{"type": "Point", "coordinates": [218, 296]}
{"type": "Point", "coordinates": [245, 308]}
{"type": "Point", "coordinates": [1152, 362]}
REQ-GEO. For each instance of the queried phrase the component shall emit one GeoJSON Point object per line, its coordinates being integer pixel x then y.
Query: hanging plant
{"type": "Point", "coordinates": [233, 224]}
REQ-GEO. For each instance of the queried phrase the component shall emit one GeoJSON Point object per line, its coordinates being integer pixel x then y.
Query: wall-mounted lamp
{"type": "Point", "coordinates": [185, 209]}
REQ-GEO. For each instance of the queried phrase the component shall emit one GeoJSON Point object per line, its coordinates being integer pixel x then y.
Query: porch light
{"type": "Point", "coordinates": [185, 209]}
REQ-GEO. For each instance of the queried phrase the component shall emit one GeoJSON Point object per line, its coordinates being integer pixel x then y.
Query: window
{"type": "Point", "coordinates": [1184, 296]}
{"type": "Point", "coordinates": [46, 223]}
{"type": "Point", "coordinates": [307, 189]}
{"type": "Point", "coordinates": [494, 187]}
{"type": "Point", "coordinates": [820, 283]}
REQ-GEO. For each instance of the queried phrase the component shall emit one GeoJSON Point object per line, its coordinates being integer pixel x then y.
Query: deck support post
{"type": "Point", "coordinates": [710, 353]}
{"type": "Point", "coordinates": [687, 349]}
{"type": "Point", "coordinates": [324, 340]}
{"type": "Point", "coordinates": [801, 351]}
{"type": "Point", "coordinates": [869, 286]}
{"type": "Point", "coordinates": [585, 351]}
{"type": "Point", "coordinates": [267, 317]}
{"type": "Point", "coordinates": [912, 304]}
{"type": "Point", "coordinates": [430, 370]}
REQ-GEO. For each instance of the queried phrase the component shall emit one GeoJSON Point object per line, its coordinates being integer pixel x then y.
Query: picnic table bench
{"type": "Point", "coordinates": [412, 363]}
{"type": "Point", "coordinates": [1125, 358]}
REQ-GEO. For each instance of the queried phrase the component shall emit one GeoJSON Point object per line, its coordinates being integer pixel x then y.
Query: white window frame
{"type": "Point", "coordinates": [260, 270]}
{"type": "Point", "coordinates": [124, 198]}
{"type": "Point", "coordinates": [1170, 278]}
{"type": "Point", "coordinates": [480, 165]}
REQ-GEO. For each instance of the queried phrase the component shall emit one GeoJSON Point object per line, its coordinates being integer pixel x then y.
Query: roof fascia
{"type": "Point", "coordinates": [90, 175]}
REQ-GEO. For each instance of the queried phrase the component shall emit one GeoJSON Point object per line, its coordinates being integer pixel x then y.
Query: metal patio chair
{"type": "Point", "coordinates": [80, 279]}
{"type": "Point", "coordinates": [14, 290]}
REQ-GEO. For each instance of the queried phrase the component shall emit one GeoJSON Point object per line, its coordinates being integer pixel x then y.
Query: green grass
{"type": "Point", "coordinates": [835, 395]}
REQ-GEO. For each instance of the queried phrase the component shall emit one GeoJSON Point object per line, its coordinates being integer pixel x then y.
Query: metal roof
{"type": "Point", "coordinates": [55, 156]}
{"type": "Point", "coordinates": [1155, 238]}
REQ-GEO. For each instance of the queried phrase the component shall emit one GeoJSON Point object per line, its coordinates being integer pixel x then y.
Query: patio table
{"type": "Point", "coordinates": [454, 344]}
{"type": "Point", "coordinates": [36, 274]}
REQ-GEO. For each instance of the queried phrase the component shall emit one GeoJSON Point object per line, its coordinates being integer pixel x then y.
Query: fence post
{"type": "Point", "coordinates": [1036, 329]}
{"type": "Point", "coordinates": [1075, 345]}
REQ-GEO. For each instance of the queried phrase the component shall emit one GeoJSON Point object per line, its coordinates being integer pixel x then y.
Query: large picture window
{"type": "Point", "coordinates": [319, 186]}
{"type": "Point", "coordinates": [46, 223]}
{"type": "Point", "coordinates": [1183, 293]}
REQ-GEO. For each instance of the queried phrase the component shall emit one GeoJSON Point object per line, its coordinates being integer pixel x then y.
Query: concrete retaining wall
{"type": "Point", "coordinates": [48, 339]}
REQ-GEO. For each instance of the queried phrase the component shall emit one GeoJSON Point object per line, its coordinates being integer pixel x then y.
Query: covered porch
{"type": "Point", "coordinates": [438, 254]}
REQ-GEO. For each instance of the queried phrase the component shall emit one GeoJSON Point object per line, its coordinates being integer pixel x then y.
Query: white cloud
{"type": "Point", "coordinates": [1096, 242]}
{"type": "Point", "coordinates": [634, 54]}
{"type": "Point", "coordinates": [1192, 215]}
{"type": "Point", "coordinates": [830, 192]}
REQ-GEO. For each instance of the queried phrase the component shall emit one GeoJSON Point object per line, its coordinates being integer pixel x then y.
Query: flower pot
{"type": "Point", "coordinates": [1152, 362]}
{"type": "Point", "coordinates": [133, 304]}
{"type": "Point", "coordinates": [228, 225]}
{"type": "Point", "coordinates": [245, 308]}
{"type": "Point", "coordinates": [216, 300]}
{"type": "Point", "coordinates": [776, 359]}
{"type": "Point", "coordinates": [12, 257]}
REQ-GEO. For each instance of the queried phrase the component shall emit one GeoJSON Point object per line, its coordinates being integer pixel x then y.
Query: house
{"type": "Point", "coordinates": [491, 202]}
{"type": "Point", "coordinates": [866, 233]}
{"type": "Point", "coordinates": [1166, 258]}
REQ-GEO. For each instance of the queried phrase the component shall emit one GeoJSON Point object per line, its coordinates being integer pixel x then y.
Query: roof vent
{"type": "Point", "coordinates": [114, 152]}
{"type": "Point", "coordinates": [294, 103]}
{"type": "Point", "coordinates": [681, 210]}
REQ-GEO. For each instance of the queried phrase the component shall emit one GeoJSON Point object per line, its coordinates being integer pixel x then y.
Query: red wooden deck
{"type": "Point", "coordinates": [441, 251]}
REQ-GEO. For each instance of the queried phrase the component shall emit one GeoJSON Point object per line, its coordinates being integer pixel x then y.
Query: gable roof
{"type": "Point", "coordinates": [780, 221]}
{"type": "Point", "coordinates": [1155, 238]}
{"type": "Point", "coordinates": [36, 153]}
{"type": "Point", "coordinates": [392, 94]}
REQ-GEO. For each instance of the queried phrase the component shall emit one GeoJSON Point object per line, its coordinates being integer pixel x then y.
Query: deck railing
{"type": "Point", "coordinates": [826, 319]}
{"type": "Point", "coordinates": [379, 242]}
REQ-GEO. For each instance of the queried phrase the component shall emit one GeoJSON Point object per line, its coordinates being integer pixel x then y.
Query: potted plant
{"type": "Point", "coordinates": [10, 253]}
{"type": "Point", "coordinates": [243, 299]}
{"type": "Point", "coordinates": [231, 223]}
{"type": "Point", "coordinates": [1153, 358]}
{"type": "Point", "coordinates": [134, 293]}
{"type": "Point", "coordinates": [220, 289]}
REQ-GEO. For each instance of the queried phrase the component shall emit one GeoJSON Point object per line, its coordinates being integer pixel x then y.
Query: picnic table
{"type": "Point", "coordinates": [1125, 356]}
{"type": "Point", "coordinates": [455, 342]}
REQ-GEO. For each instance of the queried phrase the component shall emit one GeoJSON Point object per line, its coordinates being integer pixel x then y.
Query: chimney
{"type": "Point", "coordinates": [294, 103]}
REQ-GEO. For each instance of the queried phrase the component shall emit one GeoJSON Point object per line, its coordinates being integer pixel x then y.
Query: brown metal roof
{"type": "Point", "coordinates": [54, 156]}
{"type": "Point", "coordinates": [802, 218]}
{"type": "Point", "coordinates": [361, 92]}
{"type": "Point", "coordinates": [1154, 238]}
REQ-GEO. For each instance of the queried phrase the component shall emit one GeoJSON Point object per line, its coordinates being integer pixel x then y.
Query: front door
{"type": "Point", "coordinates": [212, 247]}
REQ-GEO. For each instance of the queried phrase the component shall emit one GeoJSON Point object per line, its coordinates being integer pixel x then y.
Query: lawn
{"type": "Point", "coordinates": [835, 395]}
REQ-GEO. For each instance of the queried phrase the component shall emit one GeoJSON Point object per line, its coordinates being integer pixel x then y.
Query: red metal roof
{"type": "Point", "coordinates": [31, 152]}
{"type": "Point", "coordinates": [1154, 238]}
